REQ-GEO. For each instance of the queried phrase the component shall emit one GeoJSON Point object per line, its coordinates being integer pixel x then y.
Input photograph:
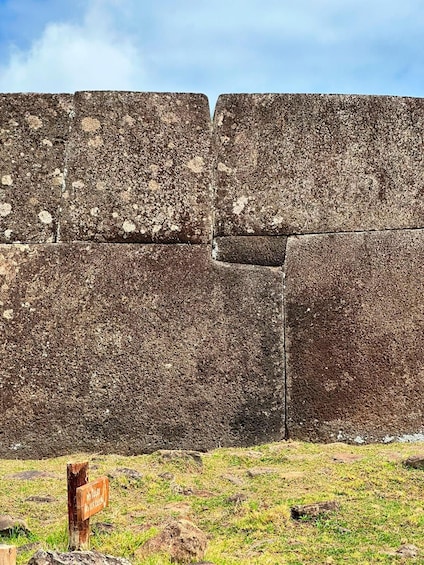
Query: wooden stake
{"type": "Point", "coordinates": [79, 531]}
{"type": "Point", "coordinates": [7, 554]}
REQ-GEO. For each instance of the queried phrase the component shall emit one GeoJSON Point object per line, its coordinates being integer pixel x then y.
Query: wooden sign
{"type": "Point", "coordinates": [92, 498]}
{"type": "Point", "coordinates": [84, 500]}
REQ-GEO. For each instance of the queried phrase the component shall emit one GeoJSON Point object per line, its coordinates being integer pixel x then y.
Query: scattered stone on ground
{"type": "Point", "coordinates": [180, 456]}
{"type": "Point", "coordinates": [41, 499]}
{"type": "Point", "coordinates": [32, 475]}
{"type": "Point", "coordinates": [103, 527]}
{"type": "Point", "coordinates": [233, 479]}
{"type": "Point", "coordinates": [75, 558]}
{"type": "Point", "coordinates": [415, 462]}
{"type": "Point", "coordinates": [237, 498]}
{"type": "Point", "coordinates": [9, 525]}
{"type": "Point", "coordinates": [124, 471]}
{"type": "Point", "coordinates": [258, 471]}
{"type": "Point", "coordinates": [28, 547]}
{"type": "Point", "coordinates": [407, 550]}
{"type": "Point", "coordinates": [166, 476]}
{"type": "Point", "coordinates": [182, 540]}
{"type": "Point", "coordinates": [313, 511]}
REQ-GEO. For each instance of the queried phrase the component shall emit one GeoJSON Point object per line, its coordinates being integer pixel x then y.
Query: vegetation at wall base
{"type": "Point", "coordinates": [241, 498]}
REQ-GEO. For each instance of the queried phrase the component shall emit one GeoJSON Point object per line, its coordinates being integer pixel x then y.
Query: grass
{"type": "Point", "coordinates": [245, 515]}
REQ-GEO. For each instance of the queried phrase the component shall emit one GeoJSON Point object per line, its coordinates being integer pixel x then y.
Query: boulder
{"type": "Point", "coordinates": [75, 558]}
{"type": "Point", "coordinates": [180, 539]}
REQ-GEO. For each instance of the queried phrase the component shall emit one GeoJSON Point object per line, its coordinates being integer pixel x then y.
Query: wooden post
{"type": "Point", "coordinates": [7, 554]}
{"type": "Point", "coordinates": [79, 530]}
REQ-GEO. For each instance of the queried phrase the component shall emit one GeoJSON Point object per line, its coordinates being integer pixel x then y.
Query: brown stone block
{"type": "Point", "coordinates": [33, 132]}
{"type": "Point", "coordinates": [251, 250]}
{"type": "Point", "coordinates": [297, 163]}
{"type": "Point", "coordinates": [355, 336]}
{"type": "Point", "coordinates": [138, 169]}
{"type": "Point", "coordinates": [132, 348]}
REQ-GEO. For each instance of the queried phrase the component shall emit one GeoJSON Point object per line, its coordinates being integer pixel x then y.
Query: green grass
{"type": "Point", "coordinates": [247, 519]}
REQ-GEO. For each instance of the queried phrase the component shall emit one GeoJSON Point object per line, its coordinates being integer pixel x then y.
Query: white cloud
{"type": "Point", "coordinates": [69, 57]}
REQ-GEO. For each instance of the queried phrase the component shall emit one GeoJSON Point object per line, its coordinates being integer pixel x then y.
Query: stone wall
{"type": "Point", "coordinates": [168, 282]}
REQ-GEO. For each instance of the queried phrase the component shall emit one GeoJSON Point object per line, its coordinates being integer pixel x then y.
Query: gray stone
{"type": "Point", "coordinates": [180, 456]}
{"type": "Point", "coordinates": [33, 132]}
{"type": "Point", "coordinates": [138, 169]}
{"type": "Point", "coordinates": [355, 336]}
{"type": "Point", "coordinates": [252, 250]}
{"type": "Point", "coordinates": [408, 550]}
{"type": "Point", "coordinates": [313, 511]}
{"type": "Point", "coordinates": [134, 348]}
{"type": "Point", "coordinates": [415, 462]}
{"type": "Point", "coordinates": [10, 525]}
{"type": "Point", "coordinates": [296, 163]}
{"type": "Point", "coordinates": [75, 558]}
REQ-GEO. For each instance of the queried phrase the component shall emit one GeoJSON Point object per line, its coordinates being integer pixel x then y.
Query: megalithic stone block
{"type": "Point", "coordinates": [138, 169]}
{"type": "Point", "coordinates": [355, 336]}
{"type": "Point", "coordinates": [131, 348]}
{"type": "Point", "coordinates": [311, 163]}
{"type": "Point", "coordinates": [33, 132]}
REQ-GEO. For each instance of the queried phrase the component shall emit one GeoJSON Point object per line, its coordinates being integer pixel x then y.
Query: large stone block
{"type": "Point", "coordinates": [295, 164]}
{"type": "Point", "coordinates": [33, 132]}
{"type": "Point", "coordinates": [138, 169]}
{"type": "Point", "coordinates": [355, 336]}
{"type": "Point", "coordinates": [130, 348]}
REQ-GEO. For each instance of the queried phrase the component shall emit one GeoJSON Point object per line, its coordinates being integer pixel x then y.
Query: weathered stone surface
{"type": "Point", "coordinates": [10, 525]}
{"type": "Point", "coordinates": [33, 132]}
{"type": "Point", "coordinates": [415, 462]}
{"type": "Point", "coordinates": [138, 169]}
{"type": "Point", "coordinates": [75, 558]}
{"type": "Point", "coordinates": [295, 163]}
{"type": "Point", "coordinates": [355, 336]}
{"type": "Point", "coordinates": [133, 348]}
{"type": "Point", "coordinates": [313, 511]}
{"type": "Point", "coordinates": [251, 250]}
{"type": "Point", "coordinates": [182, 540]}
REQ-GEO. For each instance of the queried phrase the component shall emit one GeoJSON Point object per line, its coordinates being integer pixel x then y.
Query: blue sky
{"type": "Point", "coordinates": [213, 46]}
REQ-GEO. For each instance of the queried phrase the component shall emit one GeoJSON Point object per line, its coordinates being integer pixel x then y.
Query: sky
{"type": "Point", "coordinates": [213, 46]}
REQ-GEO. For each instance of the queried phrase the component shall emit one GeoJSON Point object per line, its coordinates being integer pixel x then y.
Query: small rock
{"type": "Point", "coordinates": [9, 525]}
{"type": "Point", "coordinates": [41, 499]}
{"type": "Point", "coordinates": [167, 476]}
{"type": "Point", "coordinates": [180, 539]}
{"type": "Point", "coordinates": [408, 550]}
{"type": "Point", "coordinates": [103, 528]}
{"type": "Point", "coordinates": [28, 547]}
{"type": "Point", "coordinates": [259, 471]}
{"type": "Point", "coordinates": [233, 479]}
{"type": "Point", "coordinates": [313, 511]}
{"type": "Point", "coordinates": [32, 475]}
{"type": "Point", "coordinates": [237, 498]}
{"type": "Point", "coordinates": [180, 456]}
{"type": "Point", "coordinates": [415, 462]}
{"type": "Point", "coordinates": [124, 471]}
{"type": "Point", "coordinates": [75, 558]}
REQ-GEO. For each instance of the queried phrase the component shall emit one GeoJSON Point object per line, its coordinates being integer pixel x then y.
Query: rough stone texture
{"type": "Point", "coordinates": [33, 132]}
{"type": "Point", "coordinates": [138, 169]}
{"type": "Point", "coordinates": [75, 558]}
{"type": "Point", "coordinates": [355, 336]}
{"type": "Point", "coordinates": [133, 348]}
{"type": "Point", "coordinates": [252, 250]}
{"type": "Point", "coordinates": [182, 540]}
{"type": "Point", "coordinates": [295, 163]}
